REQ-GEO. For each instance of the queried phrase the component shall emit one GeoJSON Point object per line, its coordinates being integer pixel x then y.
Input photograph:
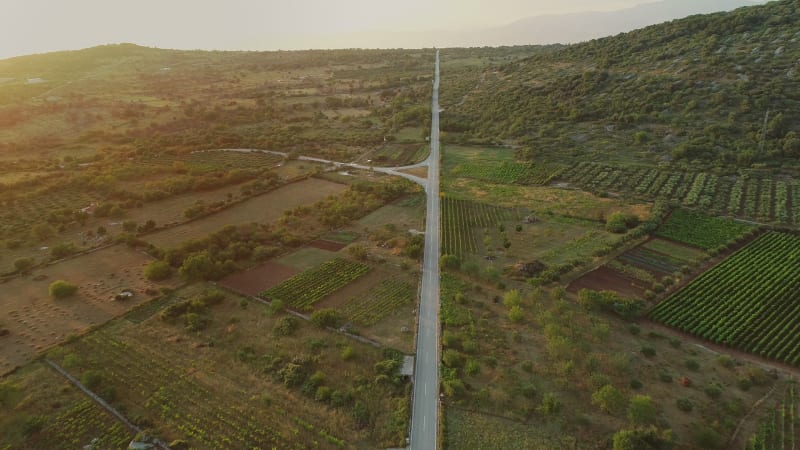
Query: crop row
{"type": "Point", "coordinates": [306, 288]}
{"type": "Point", "coordinates": [162, 390]}
{"type": "Point", "coordinates": [651, 261]}
{"type": "Point", "coordinates": [215, 160]}
{"type": "Point", "coordinates": [81, 424]}
{"type": "Point", "coordinates": [741, 196]}
{"type": "Point", "coordinates": [509, 172]}
{"type": "Point", "coordinates": [462, 220]}
{"type": "Point", "coordinates": [750, 301]}
{"type": "Point", "coordinates": [700, 230]}
{"type": "Point", "coordinates": [380, 302]}
{"type": "Point", "coordinates": [778, 430]}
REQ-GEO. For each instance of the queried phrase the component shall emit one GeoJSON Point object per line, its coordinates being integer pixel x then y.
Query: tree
{"type": "Point", "coordinates": [449, 262]}
{"type": "Point", "coordinates": [641, 410]}
{"type": "Point", "coordinates": [157, 270]}
{"type": "Point", "coordinates": [62, 289]}
{"type": "Point", "coordinates": [129, 226]}
{"type": "Point", "coordinates": [62, 250]}
{"type": "Point", "coordinates": [198, 266]}
{"type": "Point", "coordinates": [609, 399]}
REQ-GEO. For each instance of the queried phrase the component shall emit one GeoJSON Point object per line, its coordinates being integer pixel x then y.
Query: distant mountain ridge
{"type": "Point", "coordinates": [577, 27]}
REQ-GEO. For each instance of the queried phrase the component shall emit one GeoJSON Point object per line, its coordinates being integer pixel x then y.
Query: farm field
{"type": "Point", "coordinates": [747, 197]}
{"type": "Point", "coordinates": [497, 165]}
{"type": "Point", "coordinates": [749, 301]}
{"type": "Point", "coordinates": [305, 289]}
{"type": "Point", "coordinates": [210, 161]}
{"type": "Point", "coordinates": [35, 321]}
{"type": "Point", "coordinates": [264, 208]}
{"type": "Point", "coordinates": [463, 221]}
{"type": "Point", "coordinates": [780, 425]}
{"type": "Point", "coordinates": [541, 199]}
{"type": "Point", "coordinates": [38, 397]}
{"type": "Point", "coordinates": [258, 279]}
{"type": "Point", "coordinates": [237, 393]}
{"type": "Point", "coordinates": [699, 230]}
{"type": "Point", "coordinates": [606, 279]}
{"type": "Point", "coordinates": [306, 258]}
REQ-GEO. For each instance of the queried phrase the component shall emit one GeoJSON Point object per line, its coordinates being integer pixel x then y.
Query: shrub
{"type": "Point", "coordinates": [713, 390]}
{"type": "Point", "coordinates": [641, 410]}
{"type": "Point", "coordinates": [92, 379]}
{"type": "Point", "coordinates": [692, 365]}
{"type": "Point", "coordinates": [609, 399]}
{"type": "Point", "coordinates": [157, 270]}
{"type": "Point", "coordinates": [286, 326]}
{"type": "Point", "coordinates": [23, 265]}
{"type": "Point", "coordinates": [684, 404]}
{"type": "Point", "coordinates": [725, 361]}
{"type": "Point", "coordinates": [347, 353]}
{"type": "Point", "coordinates": [648, 351]}
{"type": "Point", "coordinates": [62, 289]}
{"type": "Point", "coordinates": [515, 314]}
{"type": "Point", "coordinates": [665, 377]}
{"type": "Point", "coordinates": [550, 405]}
{"type": "Point", "coordinates": [326, 318]}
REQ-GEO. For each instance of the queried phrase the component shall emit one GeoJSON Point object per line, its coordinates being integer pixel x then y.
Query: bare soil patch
{"type": "Point", "coordinates": [36, 322]}
{"type": "Point", "coordinates": [604, 278]}
{"type": "Point", "coordinates": [327, 245]}
{"type": "Point", "coordinates": [258, 279]}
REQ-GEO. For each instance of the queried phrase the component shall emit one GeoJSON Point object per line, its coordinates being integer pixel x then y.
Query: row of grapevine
{"type": "Point", "coordinates": [700, 230]}
{"type": "Point", "coordinates": [306, 288]}
{"type": "Point", "coordinates": [155, 387]}
{"type": "Point", "coordinates": [740, 196]}
{"type": "Point", "coordinates": [215, 160]}
{"type": "Point", "coordinates": [509, 172]}
{"type": "Point", "coordinates": [778, 430]}
{"type": "Point", "coordinates": [463, 219]}
{"type": "Point", "coordinates": [378, 303]}
{"type": "Point", "coordinates": [751, 301]}
{"type": "Point", "coordinates": [82, 423]}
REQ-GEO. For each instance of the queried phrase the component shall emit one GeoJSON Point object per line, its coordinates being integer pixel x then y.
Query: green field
{"type": "Point", "coordinates": [750, 301]}
{"type": "Point", "coordinates": [303, 290]}
{"type": "Point", "coordinates": [702, 231]}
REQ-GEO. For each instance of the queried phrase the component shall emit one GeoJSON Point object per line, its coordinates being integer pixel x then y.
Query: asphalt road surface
{"type": "Point", "coordinates": [425, 409]}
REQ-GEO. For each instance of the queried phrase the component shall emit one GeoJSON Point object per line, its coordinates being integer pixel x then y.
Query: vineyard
{"type": "Point", "coordinates": [462, 221]}
{"type": "Point", "coordinates": [509, 172]}
{"type": "Point", "coordinates": [210, 161]}
{"type": "Point", "coordinates": [779, 429]}
{"type": "Point", "coordinates": [702, 231]}
{"type": "Point", "coordinates": [652, 261]}
{"type": "Point", "coordinates": [380, 302]}
{"type": "Point", "coordinates": [179, 400]}
{"type": "Point", "coordinates": [739, 196]}
{"type": "Point", "coordinates": [81, 424]}
{"type": "Point", "coordinates": [21, 214]}
{"type": "Point", "coordinates": [751, 301]}
{"type": "Point", "coordinates": [304, 289]}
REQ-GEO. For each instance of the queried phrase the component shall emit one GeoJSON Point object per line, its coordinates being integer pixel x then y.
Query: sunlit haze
{"type": "Point", "coordinates": [34, 26]}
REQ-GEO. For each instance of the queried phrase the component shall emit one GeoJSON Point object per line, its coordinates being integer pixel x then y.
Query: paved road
{"type": "Point", "coordinates": [425, 409]}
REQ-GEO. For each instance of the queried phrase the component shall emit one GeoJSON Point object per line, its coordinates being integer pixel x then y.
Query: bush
{"type": "Point", "coordinates": [692, 365]}
{"type": "Point", "coordinates": [609, 399]}
{"type": "Point", "coordinates": [641, 410]}
{"type": "Point", "coordinates": [286, 326]}
{"type": "Point", "coordinates": [726, 361]}
{"type": "Point", "coordinates": [347, 353]}
{"type": "Point", "coordinates": [157, 270]}
{"type": "Point", "coordinates": [648, 351]}
{"type": "Point", "coordinates": [92, 379]}
{"type": "Point", "coordinates": [550, 405]}
{"type": "Point", "coordinates": [23, 265]}
{"type": "Point", "coordinates": [713, 390]}
{"type": "Point", "coordinates": [684, 404]}
{"type": "Point", "coordinates": [326, 318]}
{"type": "Point", "coordinates": [62, 289]}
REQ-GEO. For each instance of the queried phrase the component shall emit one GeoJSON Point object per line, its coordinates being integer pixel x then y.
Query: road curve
{"type": "Point", "coordinates": [425, 408]}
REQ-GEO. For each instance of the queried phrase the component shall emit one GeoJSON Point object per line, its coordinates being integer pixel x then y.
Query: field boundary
{"type": "Point", "coordinates": [99, 400]}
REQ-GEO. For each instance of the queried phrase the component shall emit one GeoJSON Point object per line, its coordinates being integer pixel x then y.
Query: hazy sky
{"type": "Point", "coordinates": [34, 26]}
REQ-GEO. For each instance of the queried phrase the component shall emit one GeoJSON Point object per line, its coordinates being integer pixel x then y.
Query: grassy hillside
{"type": "Point", "coordinates": [693, 92]}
